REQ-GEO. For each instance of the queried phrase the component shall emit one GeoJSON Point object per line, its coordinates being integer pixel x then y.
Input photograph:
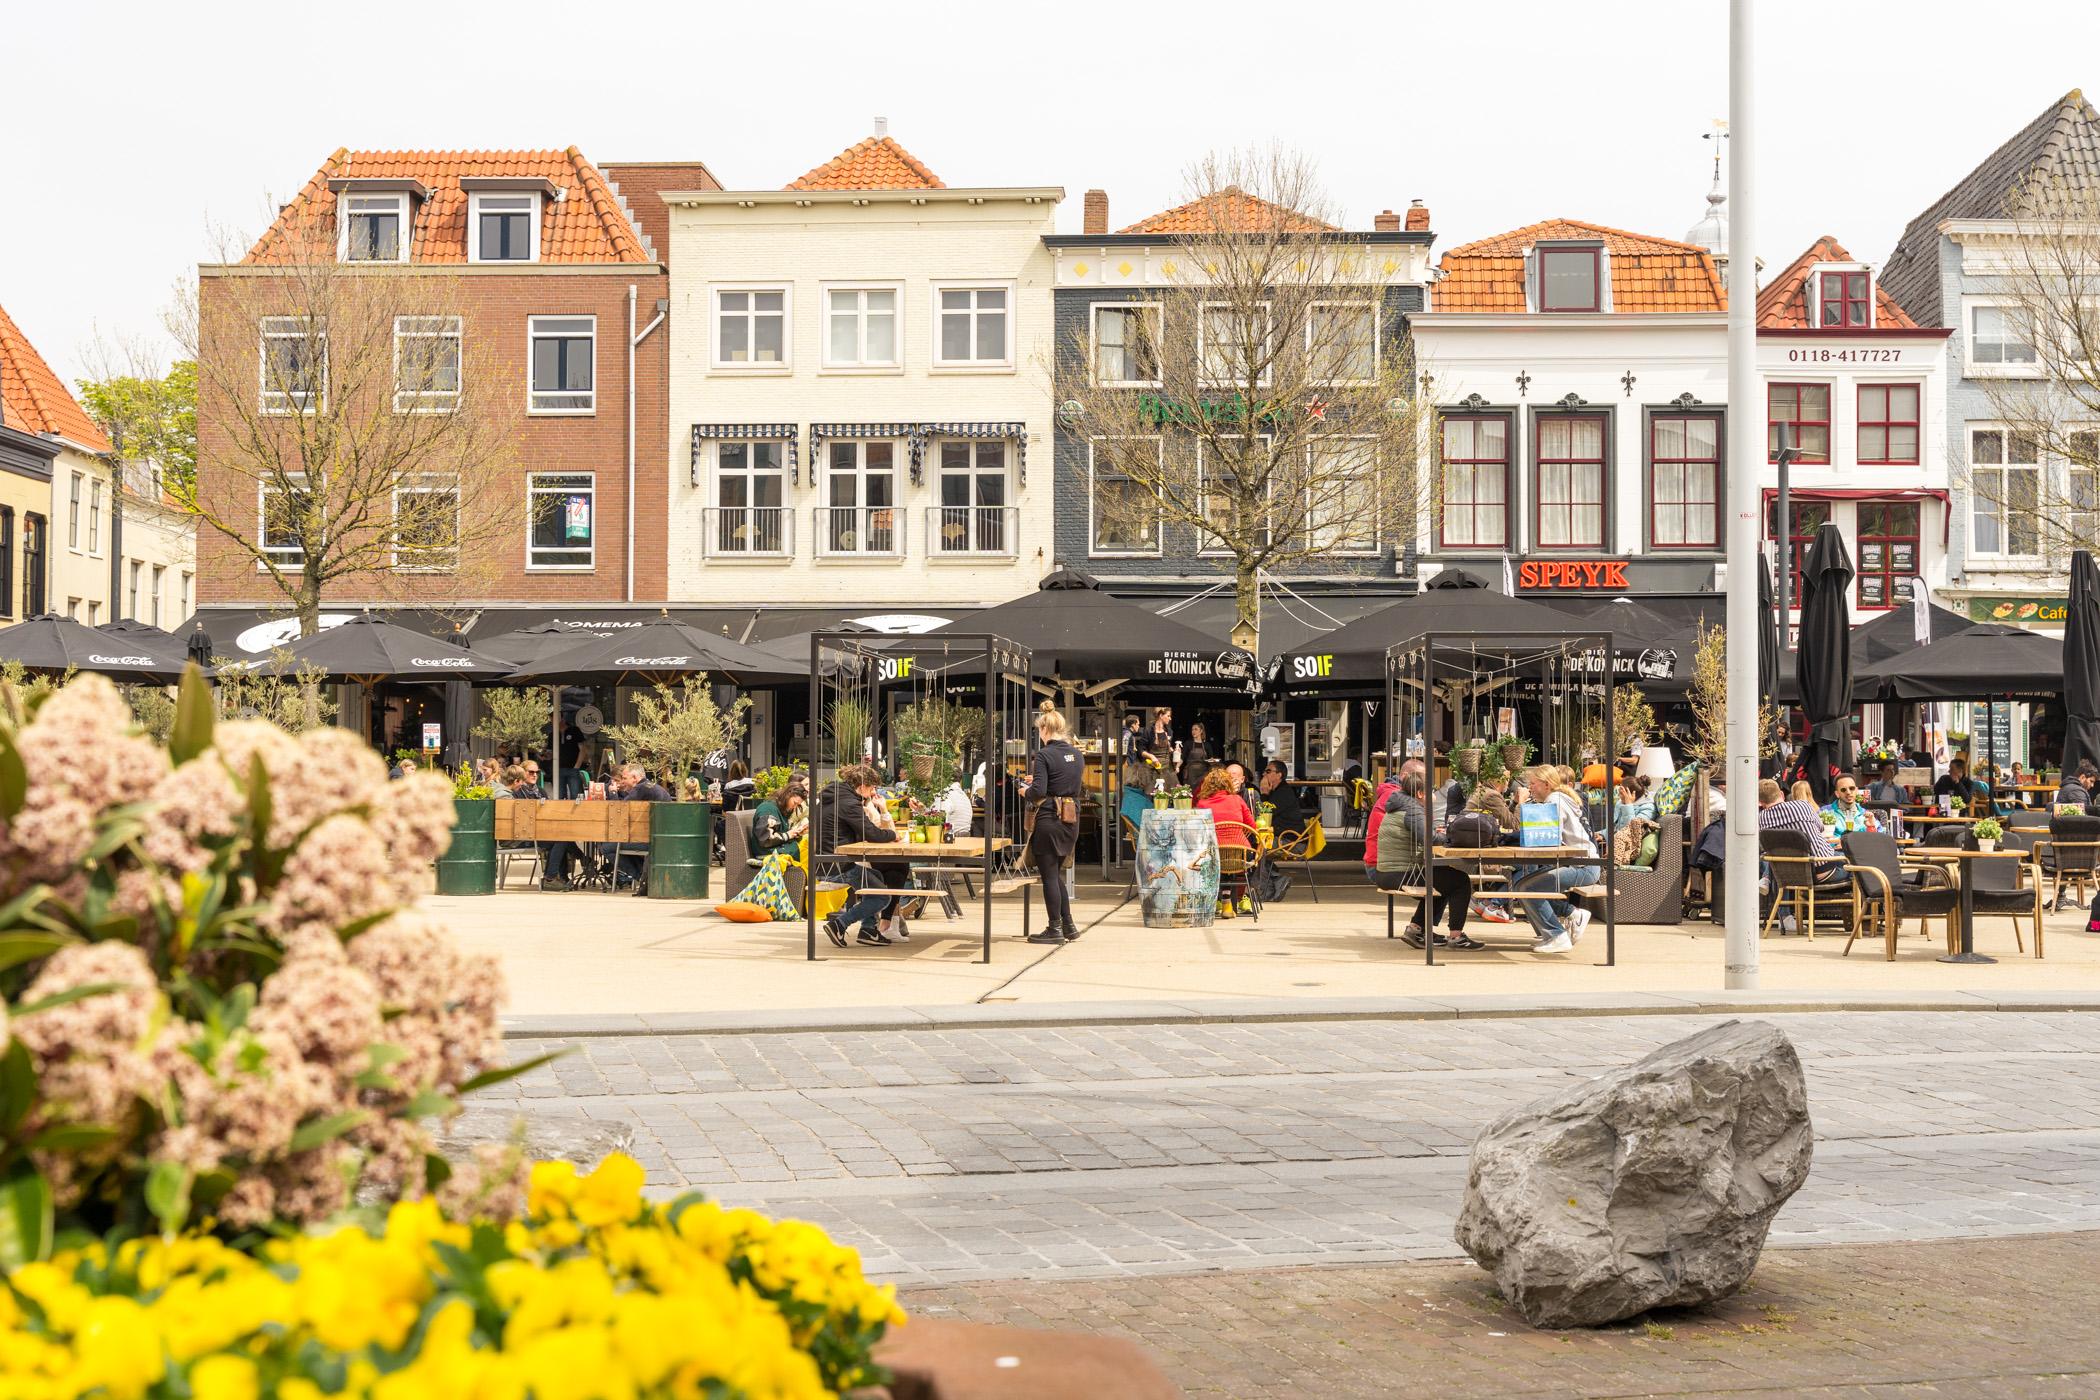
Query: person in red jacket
{"type": "Point", "coordinates": [1218, 798]}
{"type": "Point", "coordinates": [1389, 785]}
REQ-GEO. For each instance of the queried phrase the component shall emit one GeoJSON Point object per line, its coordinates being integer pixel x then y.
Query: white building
{"type": "Point", "coordinates": [860, 389]}
{"type": "Point", "coordinates": [157, 552]}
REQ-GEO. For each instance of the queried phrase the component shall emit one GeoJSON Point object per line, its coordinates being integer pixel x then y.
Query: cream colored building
{"type": "Point", "coordinates": [157, 553]}
{"type": "Point", "coordinates": [58, 553]}
{"type": "Point", "coordinates": [860, 390]}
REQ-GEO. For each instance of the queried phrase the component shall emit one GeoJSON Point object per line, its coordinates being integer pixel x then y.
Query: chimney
{"type": "Point", "coordinates": [1417, 217]}
{"type": "Point", "coordinates": [1096, 212]}
{"type": "Point", "coordinates": [882, 127]}
{"type": "Point", "coordinates": [1386, 222]}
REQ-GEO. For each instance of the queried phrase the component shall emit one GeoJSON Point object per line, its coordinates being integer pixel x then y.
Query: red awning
{"type": "Point", "coordinates": [1869, 493]}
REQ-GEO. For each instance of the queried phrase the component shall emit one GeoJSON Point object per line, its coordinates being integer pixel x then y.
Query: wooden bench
{"type": "Point", "coordinates": [1419, 892]}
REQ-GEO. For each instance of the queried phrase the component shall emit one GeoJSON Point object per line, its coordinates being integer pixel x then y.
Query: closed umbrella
{"type": "Point", "coordinates": [1823, 658]}
{"type": "Point", "coordinates": [52, 645]}
{"type": "Point", "coordinates": [1767, 634]}
{"type": "Point", "coordinates": [2082, 664]}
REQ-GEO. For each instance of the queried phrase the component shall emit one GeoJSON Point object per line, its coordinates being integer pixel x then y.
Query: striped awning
{"type": "Point", "coordinates": [745, 432]}
{"type": "Point", "coordinates": [917, 435]}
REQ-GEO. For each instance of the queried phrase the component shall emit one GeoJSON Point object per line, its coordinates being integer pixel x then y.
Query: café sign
{"type": "Point", "coordinates": [1550, 574]}
{"type": "Point", "coordinates": [2018, 611]}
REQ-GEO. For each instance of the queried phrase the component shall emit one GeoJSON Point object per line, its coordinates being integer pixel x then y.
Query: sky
{"type": "Point", "coordinates": [163, 127]}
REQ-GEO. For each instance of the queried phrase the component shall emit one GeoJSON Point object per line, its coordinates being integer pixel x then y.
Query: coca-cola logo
{"type": "Point", "coordinates": [120, 660]}
{"type": "Point", "coordinates": [653, 661]}
{"type": "Point", "coordinates": [451, 662]}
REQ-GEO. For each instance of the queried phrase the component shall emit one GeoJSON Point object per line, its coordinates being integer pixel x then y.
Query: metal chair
{"type": "Point", "coordinates": [1239, 864]}
{"type": "Point", "coordinates": [509, 853]}
{"type": "Point", "coordinates": [1794, 865]}
{"type": "Point", "coordinates": [2000, 889]}
{"type": "Point", "coordinates": [2070, 854]}
{"type": "Point", "coordinates": [1295, 848]}
{"type": "Point", "coordinates": [1881, 882]}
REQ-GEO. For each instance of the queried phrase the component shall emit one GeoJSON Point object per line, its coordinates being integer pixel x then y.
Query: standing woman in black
{"type": "Point", "coordinates": [1052, 802]}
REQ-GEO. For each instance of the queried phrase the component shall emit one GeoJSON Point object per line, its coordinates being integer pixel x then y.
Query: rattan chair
{"type": "Point", "coordinates": [1295, 848]}
{"type": "Point", "coordinates": [1793, 864]}
{"type": "Point", "coordinates": [2003, 889]}
{"type": "Point", "coordinates": [2070, 854]}
{"type": "Point", "coordinates": [1238, 864]}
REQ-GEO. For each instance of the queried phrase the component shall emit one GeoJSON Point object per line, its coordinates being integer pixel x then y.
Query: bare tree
{"type": "Point", "coordinates": [1262, 401]}
{"type": "Point", "coordinates": [349, 431]}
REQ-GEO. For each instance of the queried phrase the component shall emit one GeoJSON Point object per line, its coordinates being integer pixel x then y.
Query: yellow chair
{"type": "Point", "coordinates": [830, 896]}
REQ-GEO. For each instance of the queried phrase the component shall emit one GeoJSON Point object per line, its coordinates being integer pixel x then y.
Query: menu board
{"type": "Point", "coordinates": [1990, 732]}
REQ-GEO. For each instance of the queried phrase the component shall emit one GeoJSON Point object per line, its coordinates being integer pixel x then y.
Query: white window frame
{"type": "Point", "coordinates": [73, 503]}
{"type": "Point", "coordinates": [1158, 313]}
{"type": "Point", "coordinates": [533, 220]}
{"type": "Point", "coordinates": [1203, 310]}
{"type": "Point", "coordinates": [1815, 305]}
{"type": "Point", "coordinates": [94, 545]}
{"type": "Point", "coordinates": [138, 573]}
{"type": "Point", "coordinates": [899, 478]}
{"type": "Point", "coordinates": [292, 558]}
{"type": "Point", "coordinates": [532, 489]}
{"type": "Point", "coordinates": [786, 363]}
{"type": "Point", "coordinates": [2003, 512]}
{"type": "Point", "coordinates": [1974, 369]}
{"type": "Point", "coordinates": [277, 403]}
{"type": "Point", "coordinates": [1377, 542]}
{"type": "Point", "coordinates": [533, 334]}
{"type": "Point", "coordinates": [188, 582]}
{"type": "Point", "coordinates": [345, 212]}
{"type": "Point", "coordinates": [937, 475]}
{"type": "Point", "coordinates": [1207, 546]}
{"type": "Point", "coordinates": [750, 476]}
{"type": "Point", "coordinates": [2074, 527]}
{"type": "Point", "coordinates": [1159, 530]}
{"type": "Point", "coordinates": [941, 365]}
{"type": "Point", "coordinates": [431, 400]}
{"type": "Point", "coordinates": [825, 290]}
{"type": "Point", "coordinates": [160, 578]}
{"type": "Point", "coordinates": [1369, 307]}
{"type": "Point", "coordinates": [429, 483]}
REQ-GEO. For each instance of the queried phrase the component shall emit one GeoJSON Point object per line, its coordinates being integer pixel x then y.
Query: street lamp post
{"type": "Point", "coordinates": [1745, 447]}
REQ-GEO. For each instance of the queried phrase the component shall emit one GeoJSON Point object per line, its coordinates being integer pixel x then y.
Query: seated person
{"type": "Point", "coordinates": [842, 818]}
{"type": "Point", "coordinates": [1956, 782]}
{"type": "Point", "coordinates": [1224, 804]}
{"type": "Point", "coordinates": [1885, 787]}
{"type": "Point", "coordinates": [1276, 790]}
{"type": "Point", "coordinates": [1632, 802]}
{"type": "Point", "coordinates": [1403, 837]}
{"type": "Point", "coordinates": [1851, 816]}
{"type": "Point", "coordinates": [780, 821]}
{"type": "Point", "coordinates": [630, 784]}
{"type": "Point", "coordinates": [1778, 812]}
{"type": "Point", "coordinates": [2077, 789]}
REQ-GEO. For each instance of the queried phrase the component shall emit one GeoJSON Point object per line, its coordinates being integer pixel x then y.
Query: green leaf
{"type": "Point", "coordinates": [14, 777]}
{"type": "Point", "coordinates": [236, 1006]}
{"type": "Point", "coordinates": [168, 1194]}
{"type": "Point", "coordinates": [17, 1085]}
{"type": "Point", "coordinates": [114, 837]}
{"type": "Point", "coordinates": [25, 1218]}
{"type": "Point", "coordinates": [365, 924]}
{"type": "Point", "coordinates": [269, 864]}
{"type": "Point", "coordinates": [73, 1137]}
{"type": "Point", "coordinates": [496, 1076]}
{"type": "Point", "coordinates": [68, 996]}
{"type": "Point", "coordinates": [429, 1104]}
{"type": "Point", "coordinates": [18, 946]}
{"type": "Point", "coordinates": [379, 1054]}
{"type": "Point", "coordinates": [193, 717]}
{"type": "Point", "coordinates": [436, 1171]}
{"type": "Point", "coordinates": [315, 1131]}
{"type": "Point", "coordinates": [377, 1079]}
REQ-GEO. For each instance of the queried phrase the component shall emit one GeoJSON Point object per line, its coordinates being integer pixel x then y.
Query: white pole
{"type": "Point", "coordinates": [1746, 450]}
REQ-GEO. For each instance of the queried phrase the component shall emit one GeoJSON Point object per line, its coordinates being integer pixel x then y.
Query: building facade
{"type": "Point", "coordinates": [860, 399]}
{"type": "Point", "coordinates": [56, 532]}
{"type": "Point", "coordinates": [1859, 391]}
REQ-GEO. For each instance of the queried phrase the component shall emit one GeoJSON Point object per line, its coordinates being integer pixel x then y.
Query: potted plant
{"type": "Point", "coordinates": [1514, 753]}
{"type": "Point", "coordinates": [1956, 806]}
{"type": "Point", "coordinates": [1184, 800]}
{"type": "Point", "coordinates": [1159, 795]}
{"type": "Point", "coordinates": [1466, 758]}
{"type": "Point", "coordinates": [1265, 816]}
{"type": "Point", "coordinates": [1830, 818]}
{"type": "Point", "coordinates": [1988, 831]}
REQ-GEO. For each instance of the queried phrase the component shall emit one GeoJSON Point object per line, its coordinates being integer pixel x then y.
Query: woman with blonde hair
{"type": "Point", "coordinates": [1050, 796]}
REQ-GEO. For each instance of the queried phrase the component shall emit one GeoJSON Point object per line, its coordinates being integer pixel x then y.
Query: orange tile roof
{"type": "Point", "coordinates": [1647, 274]}
{"type": "Point", "coordinates": [586, 226]}
{"type": "Point", "coordinates": [1231, 210]}
{"type": "Point", "coordinates": [877, 163]}
{"type": "Point", "coordinates": [33, 399]}
{"type": "Point", "coordinates": [1782, 303]}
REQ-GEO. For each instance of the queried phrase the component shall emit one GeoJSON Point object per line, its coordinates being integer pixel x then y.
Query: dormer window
{"type": "Point", "coordinates": [1845, 298]}
{"type": "Point", "coordinates": [504, 227]}
{"type": "Point", "coordinates": [374, 227]}
{"type": "Point", "coordinates": [1571, 278]}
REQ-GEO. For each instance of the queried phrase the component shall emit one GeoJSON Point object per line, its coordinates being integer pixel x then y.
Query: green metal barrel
{"type": "Point", "coordinates": [468, 865]}
{"type": "Point", "coordinates": [679, 833]}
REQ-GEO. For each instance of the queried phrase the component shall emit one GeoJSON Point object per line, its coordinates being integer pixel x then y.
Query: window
{"type": "Point", "coordinates": [1809, 517]}
{"type": "Point", "coordinates": [73, 514]}
{"type": "Point", "coordinates": [281, 529]}
{"type": "Point", "coordinates": [160, 573]}
{"type": "Point", "coordinates": [504, 227]}
{"type": "Point", "coordinates": [1571, 279]}
{"type": "Point", "coordinates": [1253, 455]}
{"type": "Point", "coordinates": [1995, 338]}
{"type": "Point", "coordinates": [564, 356]}
{"type": "Point", "coordinates": [187, 580]}
{"type": "Point", "coordinates": [973, 327]}
{"type": "Point", "coordinates": [34, 530]}
{"type": "Point", "coordinates": [1341, 341]}
{"type": "Point", "coordinates": [751, 329]}
{"type": "Point", "coordinates": [1684, 481]}
{"type": "Point", "coordinates": [7, 561]}
{"type": "Point", "coordinates": [95, 517]}
{"type": "Point", "coordinates": [426, 364]}
{"type": "Point", "coordinates": [1888, 423]}
{"type": "Point", "coordinates": [1476, 483]}
{"type": "Point", "coordinates": [2005, 491]}
{"type": "Point", "coordinates": [860, 328]}
{"type": "Point", "coordinates": [1341, 495]}
{"type": "Point", "coordinates": [1125, 513]}
{"type": "Point", "coordinates": [137, 573]}
{"type": "Point", "coordinates": [749, 489]}
{"type": "Point", "coordinates": [426, 524]}
{"type": "Point", "coordinates": [1807, 407]}
{"type": "Point", "coordinates": [73, 608]}
{"type": "Point", "coordinates": [374, 227]}
{"type": "Point", "coordinates": [1888, 552]}
{"type": "Point", "coordinates": [1233, 345]}
{"type": "Point", "coordinates": [860, 490]}
{"type": "Point", "coordinates": [973, 516]}
{"type": "Point", "coordinates": [2082, 485]}
{"type": "Point", "coordinates": [94, 612]}
{"type": "Point", "coordinates": [562, 525]}
{"type": "Point", "coordinates": [1845, 299]}
{"type": "Point", "coordinates": [1126, 344]}
{"type": "Point", "coordinates": [294, 364]}
{"type": "Point", "coordinates": [1571, 482]}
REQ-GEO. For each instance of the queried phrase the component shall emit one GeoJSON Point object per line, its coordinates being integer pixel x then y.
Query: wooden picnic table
{"type": "Point", "coordinates": [968, 848]}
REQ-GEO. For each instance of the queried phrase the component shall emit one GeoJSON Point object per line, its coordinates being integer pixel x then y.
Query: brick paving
{"type": "Point", "coordinates": [1029, 1151]}
{"type": "Point", "coordinates": [1997, 1317]}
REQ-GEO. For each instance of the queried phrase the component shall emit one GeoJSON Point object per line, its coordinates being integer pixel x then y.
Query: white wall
{"type": "Point", "coordinates": [79, 571]}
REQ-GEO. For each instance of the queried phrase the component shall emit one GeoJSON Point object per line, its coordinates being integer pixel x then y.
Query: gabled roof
{"type": "Point", "coordinates": [1782, 304]}
{"type": "Point", "coordinates": [585, 225]}
{"type": "Point", "coordinates": [1230, 210]}
{"type": "Point", "coordinates": [2060, 148]}
{"type": "Point", "coordinates": [1647, 274]}
{"type": "Point", "coordinates": [34, 400]}
{"type": "Point", "coordinates": [878, 163]}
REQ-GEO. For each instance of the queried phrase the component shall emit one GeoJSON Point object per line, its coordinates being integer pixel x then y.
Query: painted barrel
{"type": "Point", "coordinates": [679, 833]}
{"type": "Point", "coordinates": [468, 865]}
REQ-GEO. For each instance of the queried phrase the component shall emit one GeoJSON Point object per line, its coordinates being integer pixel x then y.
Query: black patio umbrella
{"type": "Point", "coordinates": [368, 649]}
{"type": "Point", "coordinates": [1987, 661]}
{"type": "Point", "coordinates": [2082, 663]}
{"type": "Point", "coordinates": [1353, 655]}
{"type": "Point", "coordinates": [528, 644]}
{"type": "Point", "coordinates": [1824, 658]}
{"type": "Point", "coordinates": [1768, 648]}
{"type": "Point", "coordinates": [662, 650]}
{"type": "Point", "coordinates": [52, 645]}
{"type": "Point", "coordinates": [1649, 651]}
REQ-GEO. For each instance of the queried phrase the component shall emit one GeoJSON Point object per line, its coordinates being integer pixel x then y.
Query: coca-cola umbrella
{"type": "Point", "coordinates": [368, 649]}
{"type": "Point", "coordinates": [51, 645]}
{"type": "Point", "coordinates": [662, 650]}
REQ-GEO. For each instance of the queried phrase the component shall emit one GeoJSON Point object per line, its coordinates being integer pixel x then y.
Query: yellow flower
{"type": "Point", "coordinates": [119, 1349]}
{"type": "Point", "coordinates": [551, 1188]}
{"type": "Point", "coordinates": [612, 1193]}
{"type": "Point", "coordinates": [224, 1377]}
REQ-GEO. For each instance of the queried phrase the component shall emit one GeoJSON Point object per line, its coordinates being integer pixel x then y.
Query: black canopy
{"type": "Point", "coordinates": [1982, 662]}
{"type": "Point", "coordinates": [2082, 664]}
{"type": "Point", "coordinates": [368, 649]}
{"type": "Point", "coordinates": [656, 651]}
{"type": "Point", "coordinates": [1768, 648]}
{"type": "Point", "coordinates": [1649, 651]}
{"type": "Point", "coordinates": [1077, 633]}
{"type": "Point", "coordinates": [52, 645]}
{"type": "Point", "coordinates": [1824, 656]}
{"type": "Point", "coordinates": [1896, 632]}
{"type": "Point", "coordinates": [528, 645]}
{"type": "Point", "coordinates": [1354, 655]}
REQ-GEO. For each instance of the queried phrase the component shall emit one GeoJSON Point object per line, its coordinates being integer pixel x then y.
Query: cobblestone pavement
{"type": "Point", "coordinates": [1958, 1318]}
{"type": "Point", "coordinates": [1026, 1151]}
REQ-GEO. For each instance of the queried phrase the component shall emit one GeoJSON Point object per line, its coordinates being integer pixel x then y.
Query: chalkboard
{"type": "Point", "coordinates": [1990, 733]}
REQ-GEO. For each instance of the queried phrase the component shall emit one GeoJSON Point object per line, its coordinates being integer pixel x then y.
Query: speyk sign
{"type": "Point", "coordinates": [1572, 573]}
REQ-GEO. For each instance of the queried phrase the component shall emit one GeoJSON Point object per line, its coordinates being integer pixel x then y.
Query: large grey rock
{"type": "Point", "coordinates": [1649, 1186]}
